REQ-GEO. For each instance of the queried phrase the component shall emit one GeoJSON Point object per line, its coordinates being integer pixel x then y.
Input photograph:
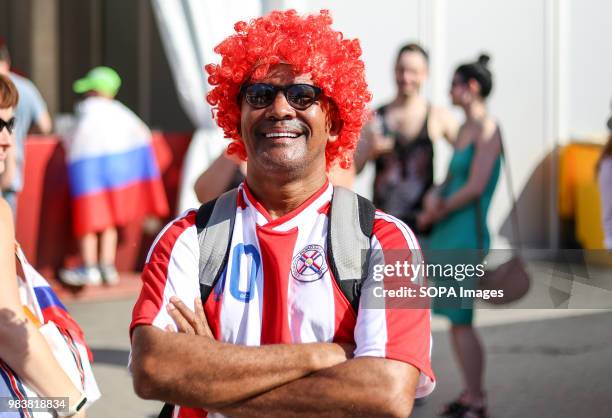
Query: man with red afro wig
{"type": "Point", "coordinates": [276, 334]}
{"type": "Point", "coordinates": [311, 46]}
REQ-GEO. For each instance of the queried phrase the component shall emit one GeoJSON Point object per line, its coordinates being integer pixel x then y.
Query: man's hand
{"type": "Point", "coordinates": [430, 217]}
{"type": "Point", "coordinates": [423, 220]}
{"type": "Point", "coordinates": [432, 201]}
{"type": "Point", "coordinates": [269, 403]}
{"type": "Point", "coordinates": [377, 143]}
{"type": "Point", "coordinates": [186, 321]}
{"type": "Point", "coordinates": [434, 209]}
{"type": "Point", "coordinates": [183, 368]}
{"type": "Point", "coordinates": [380, 144]}
{"type": "Point", "coordinates": [195, 323]}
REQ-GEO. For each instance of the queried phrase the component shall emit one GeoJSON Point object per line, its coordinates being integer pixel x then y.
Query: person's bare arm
{"type": "Point", "coordinates": [443, 124]}
{"type": "Point", "coordinates": [362, 153]}
{"type": "Point", "coordinates": [194, 370]}
{"type": "Point", "coordinates": [216, 179]}
{"type": "Point", "coordinates": [42, 125]}
{"type": "Point", "coordinates": [488, 148]}
{"type": "Point", "coordinates": [365, 386]}
{"type": "Point", "coordinates": [370, 146]}
{"type": "Point", "coordinates": [450, 125]}
{"type": "Point", "coordinates": [22, 346]}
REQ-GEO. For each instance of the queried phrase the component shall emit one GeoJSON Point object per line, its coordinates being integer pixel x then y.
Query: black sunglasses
{"type": "Point", "coordinates": [10, 124]}
{"type": "Point", "coordinates": [299, 96]}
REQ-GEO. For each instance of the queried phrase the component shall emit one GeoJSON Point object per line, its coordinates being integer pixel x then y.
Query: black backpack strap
{"type": "Point", "coordinates": [166, 411]}
{"type": "Point", "coordinates": [215, 224]}
{"type": "Point", "coordinates": [349, 229]}
{"type": "Point", "coordinates": [202, 218]}
{"type": "Point", "coordinates": [203, 214]}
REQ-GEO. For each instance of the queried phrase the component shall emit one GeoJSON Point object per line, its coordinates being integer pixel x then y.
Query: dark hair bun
{"type": "Point", "coordinates": [484, 59]}
{"type": "Point", "coordinates": [479, 71]}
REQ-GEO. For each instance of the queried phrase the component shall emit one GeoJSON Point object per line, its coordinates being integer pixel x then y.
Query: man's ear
{"type": "Point", "coordinates": [334, 129]}
{"type": "Point", "coordinates": [474, 86]}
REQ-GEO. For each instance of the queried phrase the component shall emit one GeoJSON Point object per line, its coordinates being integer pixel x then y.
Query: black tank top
{"type": "Point", "coordinates": [404, 175]}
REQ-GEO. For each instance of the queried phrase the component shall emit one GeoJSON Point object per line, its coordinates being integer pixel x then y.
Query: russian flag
{"type": "Point", "coordinates": [47, 305]}
{"type": "Point", "coordinates": [114, 176]}
{"type": "Point", "coordinates": [53, 309]}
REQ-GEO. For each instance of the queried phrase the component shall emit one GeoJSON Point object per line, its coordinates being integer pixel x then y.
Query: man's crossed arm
{"type": "Point", "coordinates": [191, 369]}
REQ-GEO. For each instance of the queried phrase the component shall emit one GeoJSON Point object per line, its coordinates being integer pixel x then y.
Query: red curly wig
{"type": "Point", "coordinates": [310, 45]}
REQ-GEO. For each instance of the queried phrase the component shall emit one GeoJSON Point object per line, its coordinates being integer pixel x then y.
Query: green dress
{"type": "Point", "coordinates": [459, 230]}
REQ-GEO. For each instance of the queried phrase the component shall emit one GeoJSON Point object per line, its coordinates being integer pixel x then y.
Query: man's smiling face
{"type": "Point", "coordinates": [283, 139]}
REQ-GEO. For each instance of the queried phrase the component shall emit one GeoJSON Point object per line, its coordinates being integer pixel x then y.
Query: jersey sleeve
{"type": "Point", "coordinates": [171, 269]}
{"type": "Point", "coordinates": [384, 328]}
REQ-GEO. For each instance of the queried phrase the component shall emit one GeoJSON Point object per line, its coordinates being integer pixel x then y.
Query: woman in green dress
{"type": "Point", "coordinates": [458, 212]}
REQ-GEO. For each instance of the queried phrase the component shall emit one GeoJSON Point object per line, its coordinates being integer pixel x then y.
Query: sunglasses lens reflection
{"type": "Point", "coordinates": [299, 96]}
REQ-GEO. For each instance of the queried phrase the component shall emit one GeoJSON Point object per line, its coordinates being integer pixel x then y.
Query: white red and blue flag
{"type": "Point", "coordinates": [114, 176]}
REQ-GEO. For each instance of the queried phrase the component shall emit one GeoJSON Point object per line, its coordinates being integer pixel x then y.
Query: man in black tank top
{"type": "Point", "coordinates": [399, 140]}
{"type": "Point", "coordinates": [404, 175]}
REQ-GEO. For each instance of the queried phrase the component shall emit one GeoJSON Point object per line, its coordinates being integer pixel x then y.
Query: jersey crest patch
{"type": "Point", "coordinates": [309, 264]}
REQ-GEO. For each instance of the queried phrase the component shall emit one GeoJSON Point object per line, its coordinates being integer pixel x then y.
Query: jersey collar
{"type": "Point", "coordinates": [319, 198]}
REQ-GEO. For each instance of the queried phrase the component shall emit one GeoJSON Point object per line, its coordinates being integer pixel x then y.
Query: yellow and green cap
{"type": "Point", "coordinates": [101, 79]}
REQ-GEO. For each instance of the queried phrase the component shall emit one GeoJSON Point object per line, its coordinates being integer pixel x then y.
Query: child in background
{"type": "Point", "coordinates": [114, 177]}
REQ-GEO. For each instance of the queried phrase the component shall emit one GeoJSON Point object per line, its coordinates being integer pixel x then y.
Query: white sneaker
{"type": "Point", "coordinates": [109, 274]}
{"type": "Point", "coordinates": [81, 276]}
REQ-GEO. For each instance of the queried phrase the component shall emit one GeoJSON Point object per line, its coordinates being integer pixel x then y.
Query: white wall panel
{"type": "Point", "coordinates": [589, 62]}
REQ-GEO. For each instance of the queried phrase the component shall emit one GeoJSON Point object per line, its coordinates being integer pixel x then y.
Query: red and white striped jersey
{"type": "Point", "coordinates": [277, 287]}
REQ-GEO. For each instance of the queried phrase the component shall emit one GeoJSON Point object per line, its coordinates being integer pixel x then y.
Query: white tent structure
{"type": "Point", "coordinates": [190, 29]}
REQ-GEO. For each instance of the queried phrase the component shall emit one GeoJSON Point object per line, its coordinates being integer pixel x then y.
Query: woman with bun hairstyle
{"type": "Point", "coordinates": [457, 211]}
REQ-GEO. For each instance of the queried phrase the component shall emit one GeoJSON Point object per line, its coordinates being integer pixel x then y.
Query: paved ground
{"type": "Point", "coordinates": [555, 367]}
{"type": "Point", "coordinates": [106, 331]}
{"type": "Point", "coordinates": [539, 363]}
